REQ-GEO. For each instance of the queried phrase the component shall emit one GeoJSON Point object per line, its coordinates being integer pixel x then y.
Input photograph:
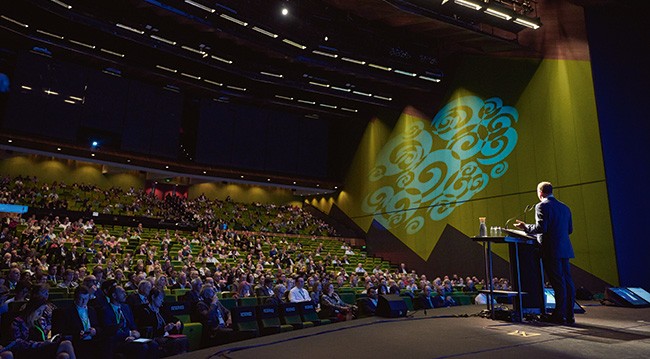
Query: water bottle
{"type": "Point", "coordinates": [482, 229]}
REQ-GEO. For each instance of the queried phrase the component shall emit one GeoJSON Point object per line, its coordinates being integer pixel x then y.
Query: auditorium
{"type": "Point", "coordinates": [360, 178]}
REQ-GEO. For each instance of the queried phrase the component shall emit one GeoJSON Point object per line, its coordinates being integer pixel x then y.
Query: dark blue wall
{"type": "Point", "coordinates": [619, 45]}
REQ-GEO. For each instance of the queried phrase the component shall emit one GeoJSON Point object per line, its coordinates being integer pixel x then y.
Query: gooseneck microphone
{"type": "Point", "coordinates": [526, 210]}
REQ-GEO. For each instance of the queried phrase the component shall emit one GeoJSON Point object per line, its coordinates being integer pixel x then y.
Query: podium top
{"type": "Point", "coordinates": [519, 234]}
{"type": "Point", "coordinates": [504, 239]}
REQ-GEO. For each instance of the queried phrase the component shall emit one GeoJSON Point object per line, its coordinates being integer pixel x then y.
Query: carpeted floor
{"type": "Point", "coordinates": [601, 332]}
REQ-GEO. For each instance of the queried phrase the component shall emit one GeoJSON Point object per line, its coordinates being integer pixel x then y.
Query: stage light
{"type": "Point", "coordinates": [468, 4]}
{"type": "Point", "coordinates": [526, 23]}
{"type": "Point", "coordinates": [95, 144]}
{"type": "Point", "coordinates": [499, 14]}
{"type": "Point", "coordinates": [285, 11]}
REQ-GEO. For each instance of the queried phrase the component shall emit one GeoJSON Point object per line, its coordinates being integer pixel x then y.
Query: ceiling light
{"type": "Point", "coordinates": [58, 148]}
{"type": "Point", "coordinates": [167, 41]}
{"type": "Point", "coordinates": [271, 74]}
{"type": "Point", "coordinates": [10, 141]}
{"type": "Point", "coordinates": [82, 44]}
{"type": "Point", "coordinates": [200, 6]}
{"type": "Point", "coordinates": [221, 59]}
{"type": "Point", "coordinates": [50, 34]}
{"type": "Point", "coordinates": [359, 62]}
{"type": "Point", "coordinates": [25, 87]}
{"type": "Point", "coordinates": [69, 101]}
{"type": "Point", "coordinates": [380, 67]}
{"type": "Point", "coordinates": [92, 154]}
{"type": "Point", "coordinates": [232, 19]}
{"type": "Point", "coordinates": [499, 14]}
{"type": "Point", "coordinates": [190, 76]}
{"type": "Point", "coordinates": [468, 4]}
{"type": "Point", "coordinates": [362, 93]}
{"type": "Point", "coordinates": [76, 98]}
{"type": "Point", "coordinates": [317, 52]}
{"type": "Point", "coordinates": [112, 71]}
{"type": "Point", "coordinates": [318, 84]}
{"type": "Point", "coordinates": [166, 68]}
{"type": "Point", "coordinates": [236, 88]}
{"type": "Point", "coordinates": [284, 97]}
{"type": "Point", "coordinates": [405, 73]}
{"type": "Point", "coordinates": [14, 21]}
{"type": "Point", "coordinates": [125, 27]}
{"type": "Point", "coordinates": [213, 82]}
{"type": "Point", "coordinates": [383, 97]}
{"type": "Point", "coordinates": [192, 49]}
{"type": "Point", "coordinates": [526, 23]}
{"type": "Point", "coordinates": [51, 92]}
{"type": "Point", "coordinates": [328, 106]}
{"type": "Point", "coordinates": [262, 31]}
{"type": "Point", "coordinates": [112, 52]}
{"type": "Point", "coordinates": [285, 11]}
{"type": "Point", "coordinates": [349, 109]}
{"type": "Point", "coordinates": [307, 102]}
{"type": "Point", "coordinates": [295, 44]}
{"type": "Point", "coordinates": [61, 3]}
{"type": "Point", "coordinates": [429, 78]}
{"type": "Point", "coordinates": [340, 89]}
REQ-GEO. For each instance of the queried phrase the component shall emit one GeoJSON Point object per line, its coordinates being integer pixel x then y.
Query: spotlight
{"type": "Point", "coordinates": [285, 11]}
{"type": "Point", "coordinates": [95, 143]}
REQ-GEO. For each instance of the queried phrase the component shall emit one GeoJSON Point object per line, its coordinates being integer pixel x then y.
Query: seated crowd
{"type": "Point", "coordinates": [201, 211]}
{"type": "Point", "coordinates": [119, 279]}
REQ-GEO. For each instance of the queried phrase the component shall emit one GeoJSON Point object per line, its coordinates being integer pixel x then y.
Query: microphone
{"type": "Point", "coordinates": [526, 210]}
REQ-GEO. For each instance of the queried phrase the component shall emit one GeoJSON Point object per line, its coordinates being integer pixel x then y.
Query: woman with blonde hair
{"type": "Point", "coordinates": [30, 330]}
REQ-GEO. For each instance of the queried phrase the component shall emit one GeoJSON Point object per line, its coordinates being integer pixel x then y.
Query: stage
{"type": "Point", "coordinates": [601, 332]}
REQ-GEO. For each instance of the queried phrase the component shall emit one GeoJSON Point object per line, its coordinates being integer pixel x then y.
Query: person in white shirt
{"type": "Point", "coordinates": [299, 293]}
{"type": "Point", "coordinates": [360, 269]}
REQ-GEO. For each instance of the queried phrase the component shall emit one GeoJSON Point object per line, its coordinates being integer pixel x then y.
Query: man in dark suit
{"type": "Point", "coordinates": [141, 297]}
{"type": "Point", "coordinates": [368, 305]}
{"type": "Point", "coordinates": [425, 299]}
{"type": "Point", "coordinates": [81, 323]}
{"type": "Point", "coordinates": [120, 327]}
{"type": "Point", "coordinates": [553, 222]}
{"type": "Point", "coordinates": [265, 289]}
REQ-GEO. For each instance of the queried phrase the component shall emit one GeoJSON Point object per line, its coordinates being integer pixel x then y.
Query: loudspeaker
{"type": "Point", "coordinates": [391, 306]}
{"type": "Point", "coordinates": [550, 302]}
{"type": "Point", "coordinates": [628, 297]}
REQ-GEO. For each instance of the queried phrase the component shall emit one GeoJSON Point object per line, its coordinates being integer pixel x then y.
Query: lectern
{"type": "Point", "coordinates": [525, 271]}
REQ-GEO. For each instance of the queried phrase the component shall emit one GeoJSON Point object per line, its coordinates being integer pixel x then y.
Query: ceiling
{"type": "Point", "coordinates": [331, 58]}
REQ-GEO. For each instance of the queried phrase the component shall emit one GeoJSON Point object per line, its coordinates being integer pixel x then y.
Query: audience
{"type": "Point", "coordinates": [70, 255]}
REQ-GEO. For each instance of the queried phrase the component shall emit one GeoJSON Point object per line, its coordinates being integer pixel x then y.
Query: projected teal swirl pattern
{"type": "Point", "coordinates": [440, 166]}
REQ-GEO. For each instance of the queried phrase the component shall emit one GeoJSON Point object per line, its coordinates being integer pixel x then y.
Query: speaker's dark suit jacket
{"type": "Point", "coordinates": [553, 222]}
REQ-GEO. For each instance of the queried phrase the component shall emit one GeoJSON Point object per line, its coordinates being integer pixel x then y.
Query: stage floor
{"type": "Point", "coordinates": [601, 332]}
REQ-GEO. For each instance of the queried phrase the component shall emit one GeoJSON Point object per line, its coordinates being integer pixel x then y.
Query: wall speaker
{"type": "Point", "coordinates": [628, 296]}
{"type": "Point", "coordinates": [391, 306]}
